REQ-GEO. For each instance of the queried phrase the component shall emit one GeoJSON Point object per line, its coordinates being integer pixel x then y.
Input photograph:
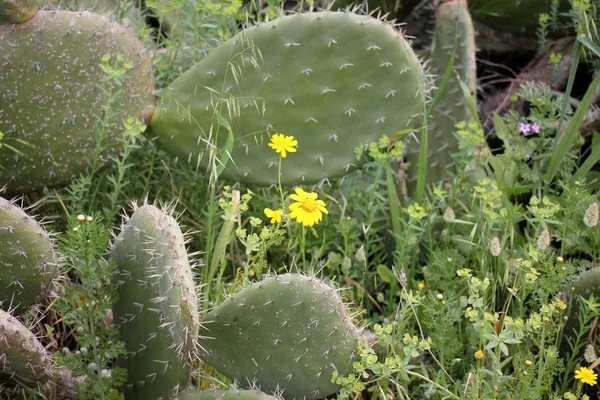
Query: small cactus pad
{"type": "Point", "coordinates": [23, 359]}
{"type": "Point", "coordinates": [333, 80]}
{"type": "Point", "coordinates": [157, 309]}
{"type": "Point", "coordinates": [453, 27]}
{"type": "Point", "coordinates": [224, 395]}
{"type": "Point", "coordinates": [28, 263]}
{"type": "Point", "coordinates": [286, 334]}
{"type": "Point", "coordinates": [16, 11]}
{"type": "Point", "coordinates": [51, 91]}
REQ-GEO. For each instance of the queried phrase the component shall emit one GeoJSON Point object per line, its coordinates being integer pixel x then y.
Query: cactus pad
{"type": "Point", "coordinates": [286, 334]}
{"type": "Point", "coordinates": [333, 80]}
{"type": "Point", "coordinates": [157, 307]}
{"type": "Point", "coordinates": [51, 90]}
{"type": "Point", "coordinates": [453, 27]}
{"type": "Point", "coordinates": [587, 285]}
{"type": "Point", "coordinates": [23, 358]}
{"type": "Point", "coordinates": [28, 263]}
{"type": "Point", "coordinates": [224, 395]}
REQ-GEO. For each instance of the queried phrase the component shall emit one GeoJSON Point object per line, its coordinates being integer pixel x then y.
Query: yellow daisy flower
{"type": "Point", "coordinates": [586, 375]}
{"type": "Point", "coordinates": [275, 215]}
{"type": "Point", "coordinates": [306, 209]}
{"type": "Point", "coordinates": [282, 144]}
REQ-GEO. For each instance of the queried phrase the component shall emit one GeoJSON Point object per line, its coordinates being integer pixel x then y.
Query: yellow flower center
{"type": "Point", "coordinates": [309, 205]}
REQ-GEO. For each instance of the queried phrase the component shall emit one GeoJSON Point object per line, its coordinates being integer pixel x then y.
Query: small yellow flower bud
{"type": "Point", "coordinates": [479, 355]}
{"type": "Point", "coordinates": [421, 285]}
{"type": "Point", "coordinates": [75, 229]}
{"type": "Point", "coordinates": [560, 259]}
{"type": "Point", "coordinates": [528, 363]}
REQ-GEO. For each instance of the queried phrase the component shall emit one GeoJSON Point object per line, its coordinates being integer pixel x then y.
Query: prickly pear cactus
{"type": "Point", "coordinates": [16, 11]}
{"type": "Point", "coordinates": [333, 80]}
{"type": "Point", "coordinates": [28, 263]}
{"type": "Point", "coordinates": [24, 358]}
{"type": "Point", "coordinates": [453, 26]}
{"type": "Point", "coordinates": [586, 286]}
{"type": "Point", "coordinates": [51, 90]}
{"type": "Point", "coordinates": [232, 394]}
{"type": "Point", "coordinates": [287, 334]}
{"type": "Point", "coordinates": [157, 307]}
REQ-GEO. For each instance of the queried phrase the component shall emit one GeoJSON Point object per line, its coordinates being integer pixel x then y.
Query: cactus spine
{"type": "Point", "coordinates": [157, 307]}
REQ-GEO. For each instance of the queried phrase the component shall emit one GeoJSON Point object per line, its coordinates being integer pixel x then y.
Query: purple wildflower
{"type": "Point", "coordinates": [525, 128]}
{"type": "Point", "coordinates": [536, 127]}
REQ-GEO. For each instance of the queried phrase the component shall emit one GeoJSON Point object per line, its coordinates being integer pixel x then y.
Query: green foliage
{"type": "Point", "coordinates": [84, 307]}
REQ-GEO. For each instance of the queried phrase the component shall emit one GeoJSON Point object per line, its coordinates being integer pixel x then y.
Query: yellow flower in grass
{"type": "Point", "coordinates": [283, 144]}
{"type": "Point", "coordinates": [306, 209]}
{"type": "Point", "coordinates": [586, 375]}
{"type": "Point", "coordinates": [275, 215]}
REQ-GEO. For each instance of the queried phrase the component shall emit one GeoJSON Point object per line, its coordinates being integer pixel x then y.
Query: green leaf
{"type": "Point", "coordinates": [385, 274]}
{"type": "Point", "coordinates": [589, 43]}
{"type": "Point", "coordinates": [504, 349]}
{"type": "Point", "coordinates": [593, 158]}
{"type": "Point", "coordinates": [470, 101]}
{"type": "Point", "coordinates": [501, 129]}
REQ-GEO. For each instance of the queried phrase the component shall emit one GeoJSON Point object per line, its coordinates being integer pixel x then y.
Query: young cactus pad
{"type": "Point", "coordinates": [51, 91]}
{"type": "Point", "coordinates": [224, 395]}
{"type": "Point", "coordinates": [333, 80]}
{"type": "Point", "coordinates": [157, 307]}
{"type": "Point", "coordinates": [23, 358]}
{"type": "Point", "coordinates": [286, 334]}
{"type": "Point", "coordinates": [27, 259]}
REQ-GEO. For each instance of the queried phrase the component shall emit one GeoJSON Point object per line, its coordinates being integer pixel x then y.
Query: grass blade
{"type": "Point", "coordinates": [564, 144]}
